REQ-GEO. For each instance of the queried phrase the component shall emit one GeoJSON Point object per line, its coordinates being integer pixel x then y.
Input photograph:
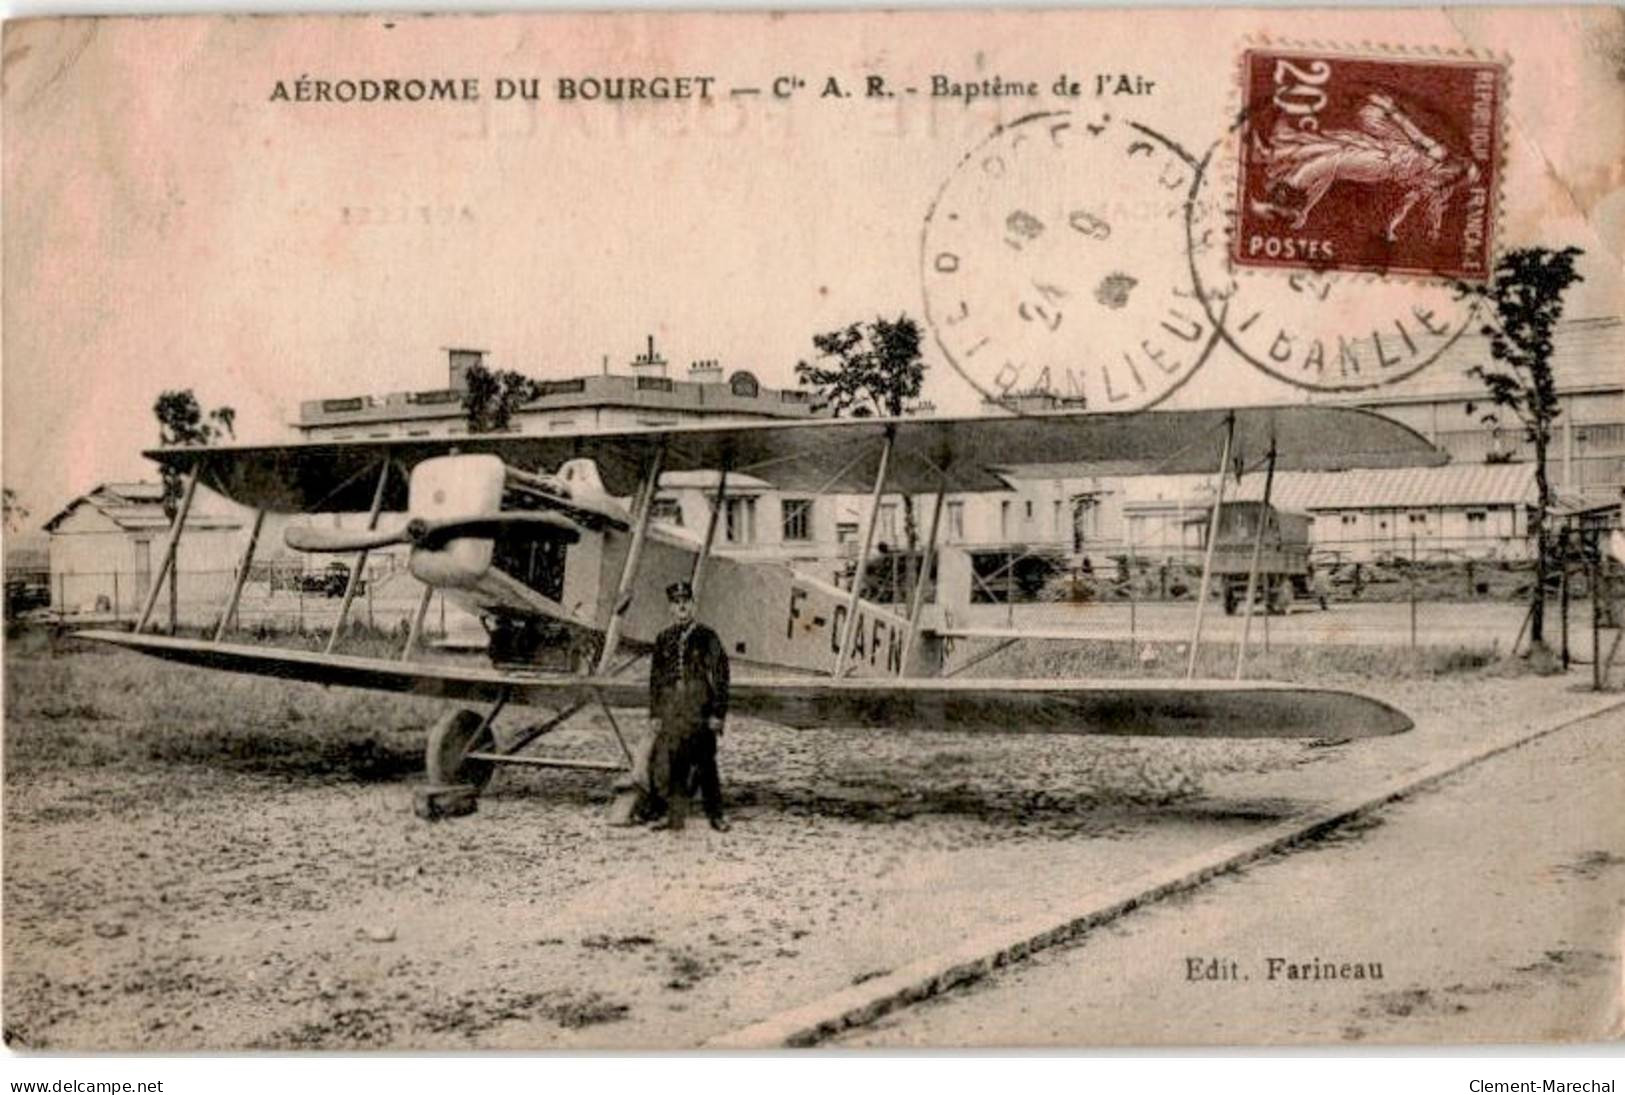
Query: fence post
{"type": "Point", "coordinates": [1133, 598]}
{"type": "Point", "coordinates": [1563, 598]}
{"type": "Point", "coordinates": [1413, 591]}
{"type": "Point", "coordinates": [1594, 562]}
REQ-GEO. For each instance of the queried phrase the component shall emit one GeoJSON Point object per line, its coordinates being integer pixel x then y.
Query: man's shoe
{"type": "Point", "coordinates": [720, 825]}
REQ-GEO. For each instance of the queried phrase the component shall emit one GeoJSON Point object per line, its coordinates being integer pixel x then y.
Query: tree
{"type": "Point", "coordinates": [1524, 300]}
{"type": "Point", "coordinates": [182, 422]}
{"type": "Point", "coordinates": [15, 512]}
{"type": "Point", "coordinates": [869, 369]}
{"type": "Point", "coordinates": [493, 397]}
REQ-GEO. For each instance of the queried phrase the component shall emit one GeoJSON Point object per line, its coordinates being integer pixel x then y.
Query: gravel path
{"type": "Point", "coordinates": [1487, 909]}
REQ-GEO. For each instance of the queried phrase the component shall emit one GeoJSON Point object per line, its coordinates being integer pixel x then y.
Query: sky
{"type": "Point", "coordinates": [170, 222]}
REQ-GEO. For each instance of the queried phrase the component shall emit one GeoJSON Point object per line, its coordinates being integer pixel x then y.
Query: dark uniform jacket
{"type": "Point", "coordinates": [688, 677]}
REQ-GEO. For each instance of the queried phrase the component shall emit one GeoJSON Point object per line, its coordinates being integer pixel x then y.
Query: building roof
{"type": "Point", "coordinates": [707, 480]}
{"type": "Point", "coordinates": [137, 507]}
{"type": "Point", "coordinates": [1396, 488]}
{"type": "Point", "coordinates": [742, 395]}
{"type": "Point", "coordinates": [1587, 354]}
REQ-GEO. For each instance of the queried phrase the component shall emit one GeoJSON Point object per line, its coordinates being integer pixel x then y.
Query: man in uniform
{"type": "Point", "coordinates": [688, 698]}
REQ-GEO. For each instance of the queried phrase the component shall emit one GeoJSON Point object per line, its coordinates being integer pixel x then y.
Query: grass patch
{"type": "Point", "coordinates": [1061, 659]}
{"type": "Point", "coordinates": [110, 707]}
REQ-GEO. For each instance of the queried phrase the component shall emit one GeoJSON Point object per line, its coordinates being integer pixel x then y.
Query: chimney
{"type": "Point", "coordinates": [461, 361]}
{"type": "Point", "coordinates": [649, 363]}
{"type": "Point", "coordinates": [706, 371]}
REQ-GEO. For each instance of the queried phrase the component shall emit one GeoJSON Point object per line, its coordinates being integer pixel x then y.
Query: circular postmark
{"type": "Point", "coordinates": [1328, 229]}
{"type": "Point", "coordinates": [1052, 262]}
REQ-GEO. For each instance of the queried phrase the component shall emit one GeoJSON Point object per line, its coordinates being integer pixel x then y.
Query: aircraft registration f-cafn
{"type": "Point", "coordinates": [527, 549]}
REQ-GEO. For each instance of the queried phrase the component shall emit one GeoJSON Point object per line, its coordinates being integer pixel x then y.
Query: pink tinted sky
{"type": "Point", "coordinates": [166, 225]}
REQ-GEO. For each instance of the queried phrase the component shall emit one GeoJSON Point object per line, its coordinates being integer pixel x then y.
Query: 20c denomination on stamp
{"type": "Point", "coordinates": [1330, 229]}
{"type": "Point", "coordinates": [1052, 262]}
{"type": "Point", "coordinates": [1368, 163]}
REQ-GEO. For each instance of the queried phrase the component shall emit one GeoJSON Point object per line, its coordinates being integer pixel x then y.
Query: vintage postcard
{"type": "Point", "coordinates": [846, 529]}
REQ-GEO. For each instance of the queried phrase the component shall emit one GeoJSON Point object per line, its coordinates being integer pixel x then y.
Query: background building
{"type": "Point", "coordinates": [643, 396]}
{"type": "Point", "coordinates": [106, 545]}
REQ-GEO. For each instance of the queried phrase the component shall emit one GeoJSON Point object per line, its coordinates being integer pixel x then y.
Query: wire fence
{"type": "Point", "coordinates": [271, 600]}
{"type": "Point", "coordinates": [1469, 603]}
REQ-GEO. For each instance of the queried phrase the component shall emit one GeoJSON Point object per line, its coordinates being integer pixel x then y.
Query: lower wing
{"type": "Point", "coordinates": [1155, 708]}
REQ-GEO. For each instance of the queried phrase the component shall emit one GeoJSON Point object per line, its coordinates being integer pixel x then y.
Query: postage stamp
{"type": "Point", "coordinates": [1372, 164]}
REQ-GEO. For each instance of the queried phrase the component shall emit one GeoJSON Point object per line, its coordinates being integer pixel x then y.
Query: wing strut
{"type": "Point", "coordinates": [697, 578]}
{"type": "Point", "coordinates": [916, 603]}
{"type": "Point", "coordinates": [1212, 541]}
{"type": "Point", "coordinates": [415, 631]}
{"type": "Point", "coordinates": [360, 562]}
{"type": "Point", "coordinates": [629, 569]}
{"type": "Point", "coordinates": [851, 631]}
{"type": "Point", "coordinates": [1252, 570]}
{"type": "Point", "coordinates": [242, 576]}
{"type": "Point", "coordinates": [166, 569]}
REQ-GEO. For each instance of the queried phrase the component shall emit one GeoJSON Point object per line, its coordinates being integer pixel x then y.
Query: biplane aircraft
{"type": "Point", "coordinates": [530, 532]}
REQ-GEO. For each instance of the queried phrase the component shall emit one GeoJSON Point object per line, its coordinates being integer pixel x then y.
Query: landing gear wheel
{"type": "Point", "coordinates": [450, 741]}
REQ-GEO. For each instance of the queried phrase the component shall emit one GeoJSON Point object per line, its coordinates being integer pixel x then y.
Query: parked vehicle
{"type": "Point", "coordinates": [1285, 572]}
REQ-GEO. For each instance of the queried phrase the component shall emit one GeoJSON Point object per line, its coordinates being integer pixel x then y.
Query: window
{"type": "Point", "coordinates": [886, 524]}
{"type": "Point", "coordinates": [561, 424]}
{"type": "Point", "coordinates": [1477, 523]}
{"type": "Point", "coordinates": [1348, 519]}
{"type": "Point", "coordinates": [668, 511]}
{"type": "Point", "coordinates": [1417, 519]}
{"type": "Point", "coordinates": [956, 521]}
{"type": "Point", "coordinates": [1029, 511]}
{"type": "Point", "coordinates": [739, 520]}
{"type": "Point", "coordinates": [797, 513]}
{"type": "Point", "coordinates": [1086, 521]}
{"type": "Point", "coordinates": [1004, 520]}
{"type": "Point", "coordinates": [1055, 519]}
{"type": "Point", "coordinates": [846, 532]}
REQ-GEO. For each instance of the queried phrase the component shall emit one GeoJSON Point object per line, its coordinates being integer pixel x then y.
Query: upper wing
{"type": "Point", "coordinates": [840, 455]}
{"type": "Point", "coordinates": [1157, 708]}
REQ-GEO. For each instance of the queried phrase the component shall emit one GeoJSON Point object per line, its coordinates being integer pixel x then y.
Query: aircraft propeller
{"type": "Point", "coordinates": [431, 535]}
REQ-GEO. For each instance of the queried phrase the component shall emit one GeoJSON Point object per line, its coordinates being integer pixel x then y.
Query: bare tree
{"type": "Point", "coordinates": [15, 512]}
{"type": "Point", "coordinates": [1524, 300]}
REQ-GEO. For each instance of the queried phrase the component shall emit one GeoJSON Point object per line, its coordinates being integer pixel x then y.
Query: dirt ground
{"type": "Point", "coordinates": [200, 861]}
{"type": "Point", "coordinates": [1488, 908]}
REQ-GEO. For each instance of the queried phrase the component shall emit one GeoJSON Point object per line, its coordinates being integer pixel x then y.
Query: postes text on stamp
{"type": "Point", "coordinates": [1368, 164]}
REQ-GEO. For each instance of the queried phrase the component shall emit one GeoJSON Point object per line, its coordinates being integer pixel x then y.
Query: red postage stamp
{"type": "Point", "coordinates": [1359, 163]}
